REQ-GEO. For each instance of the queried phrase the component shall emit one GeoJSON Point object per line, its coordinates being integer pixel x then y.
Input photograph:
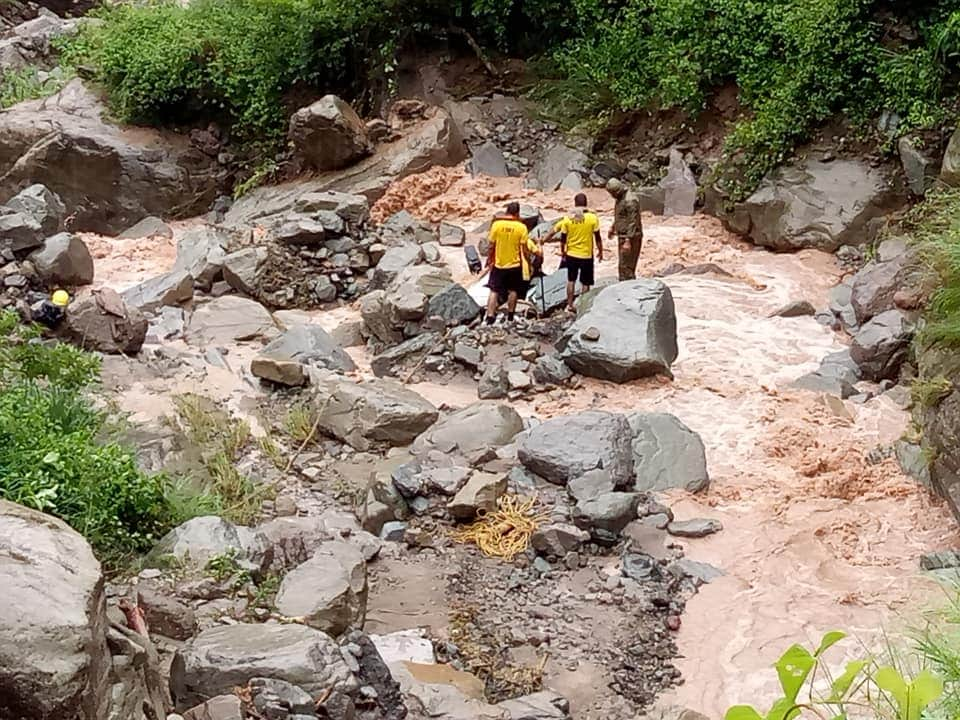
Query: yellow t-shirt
{"type": "Point", "coordinates": [507, 236]}
{"type": "Point", "coordinates": [580, 234]}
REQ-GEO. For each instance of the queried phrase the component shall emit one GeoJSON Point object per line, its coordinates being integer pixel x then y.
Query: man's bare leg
{"type": "Point", "coordinates": [512, 302]}
{"type": "Point", "coordinates": [571, 287]}
{"type": "Point", "coordinates": [492, 304]}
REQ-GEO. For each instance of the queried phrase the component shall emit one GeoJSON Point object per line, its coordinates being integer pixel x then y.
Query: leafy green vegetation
{"type": "Point", "coordinates": [27, 84]}
{"type": "Point", "coordinates": [52, 457]}
{"type": "Point", "coordinates": [865, 688]}
{"type": "Point", "coordinates": [934, 228]}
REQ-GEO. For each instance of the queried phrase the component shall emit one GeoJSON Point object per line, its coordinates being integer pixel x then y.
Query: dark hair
{"type": "Point", "coordinates": [513, 208]}
{"type": "Point", "coordinates": [580, 200]}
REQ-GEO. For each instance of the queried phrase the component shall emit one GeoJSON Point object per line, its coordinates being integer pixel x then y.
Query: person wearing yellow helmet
{"type": "Point", "coordinates": [52, 312]}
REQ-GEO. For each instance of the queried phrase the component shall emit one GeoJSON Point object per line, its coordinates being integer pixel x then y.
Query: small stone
{"type": "Point", "coordinates": [591, 334]}
{"type": "Point", "coordinates": [393, 531]}
{"type": "Point", "coordinates": [672, 622]}
{"type": "Point", "coordinates": [541, 565]}
{"type": "Point", "coordinates": [571, 560]}
{"type": "Point", "coordinates": [518, 380]}
{"type": "Point", "coordinates": [698, 528]}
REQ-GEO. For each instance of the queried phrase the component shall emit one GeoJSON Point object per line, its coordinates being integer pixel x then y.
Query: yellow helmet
{"type": "Point", "coordinates": [60, 298]}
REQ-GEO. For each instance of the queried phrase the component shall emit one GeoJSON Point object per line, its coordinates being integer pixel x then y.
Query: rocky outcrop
{"type": "Point", "coordinates": [329, 591]}
{"type": "Point", "coordinates": [950, 170]}
{"type": "Point", "coordinates": [629, 331]}
{"type": "Point", "coordinates": [201, 251]}
{"type": "Point", "coordinates": [287, 359]}
{"type": "Point", "coordinates": [30, 44]}
{"type": "Point", "coordinates": [815, 204]}
{"type": "Point", "coordinates": [564, 448]}
{"type": "Point", "coordinates": [222, 658]}
{"type": "Point", "coordinates": [555, 166]}
{"type": "Point", "coordinates": [37, 202]}
{"type": "Point", "coordinates": [104, 322]}
{"type": "Point", "coordinates": [54, 660]}
{"type": "Point", "coordinates": [371, 413]}
{"type": "Point", "coordinates": [63, 260]}
{"type": "Point", "coordinates": [328, 135]}
{"type": "Point", "coordinates": [109, 178]}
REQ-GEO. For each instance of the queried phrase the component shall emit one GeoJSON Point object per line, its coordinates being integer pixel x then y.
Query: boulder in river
{"type": "Point", "coordinates": [476, 427]}
{"type": "Point", "coordinates": [815, 204]}
{"type": "Point", "coordinates": [172, 288]}
{"type": "Point", "coordinates": [328, 134]}
{"type": "Point", "coordinates": [109, 178]}
{"type": "Point", "coordinates": [554, 166]}
{"type": "Point", "coordinates": [564, 448]}
{"type": "Point", "coordinates": [629, 331]}
{"type": "Point", "coordinates": [286, 360]}
{"type": "Point", "coordinates": [882, 345]}
{"type": "Point", "coordinates": [667, 454]}
{"type": "Point", "coordinates": [104, 322]}
{"type": "Point", "coordinates": [222, 658]}
{"type": "Point", "coordinates": [875, 285]}
{"type": "Point", "coordinates": [488, 160]}
{"type": "Point", "coordinates": [371, 413]}
{"type": "Point", "coordinates": [64, 260]}
{"type": "Point", "coordinates": [229, 319]}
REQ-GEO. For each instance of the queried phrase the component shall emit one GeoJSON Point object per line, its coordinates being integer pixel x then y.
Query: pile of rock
{"type": "Point", "coordinates": [35, 253]}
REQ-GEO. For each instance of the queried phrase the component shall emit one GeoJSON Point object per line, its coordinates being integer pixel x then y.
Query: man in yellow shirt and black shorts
{"type": "Point", "coordinates": [578, 232]}
{"type": "Point", "coordinates": [509, 261]}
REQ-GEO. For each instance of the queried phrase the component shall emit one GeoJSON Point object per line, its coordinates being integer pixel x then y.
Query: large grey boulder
{"type": "Point", "coordinates": [371, 413]}
{"type": "Point", "coordinates": [628, 332]}
{"type": "Point", "coordinates": [222, 658]}
{"type": "Point", "coordinates": [19, 232]}
{"type": "Point", "coordinates": [875, 285]}
{"type": "Point", "coordinates": [488, 160]}
{"type": "Point", "coordinates": [244, 269]}
{"type": "Point", "coordinates": [455, 305]}
{"type": "Point", "coordinates": [376, 318]}
{"type": "Point", "coordinates": [882, 345]}
{"type": "Point", "coordinates": [197, 541]}
{"type": "Point", "coordinates": [288, 357]}
{"type": "Point", "coordinates": [328, 134]}
{"type": "Point", "coordinates": [555, 165]}
{"type": "Point", "coordinates": [228, 319]}
{"type": "Point", "coordinates": [109, 178]}
{"type": "Point", "coordinates": [815, 204]}
{"type": "Point", "coordinates": [667, 454]}
{"type": "Point", "coordinates": [329, 591]}
{"type": "Point", "coordinates": [54, 661]}
{"type": "Point", "coordinates": [201, 252]}
{"type": "Point", "coordinates": [550, 293]}
{"type": "Point", "coordinates": [172, 288]}
{"type": "Point", "coordinates": [919, 167]}
{"type": "Point", "coordinates": [104, 322]}
{"type": "Point", "coordinates": [564, 448]}
{"type": "Point", "coordinates": [393, 261]}
{"type": "Point", "coordinates": [64, 259]}
{"type": "Point", "coordinates": [476, 427]}
{"type": "Point", "coordinates": [39, 203]}
{"type": "Point", "coordinates": [679, 187]}
{"type": "Point", "coordinates": [605, 516]}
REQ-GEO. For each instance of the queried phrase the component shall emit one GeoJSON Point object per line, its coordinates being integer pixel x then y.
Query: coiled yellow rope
{"type": "Point", "coordinates": [506, 532]}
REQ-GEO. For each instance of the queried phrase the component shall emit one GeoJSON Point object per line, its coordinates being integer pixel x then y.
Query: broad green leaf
{"type": "Point", "coordinates": [742, 712]}
{"type": "Point", "coordinates": [793, 668]}
{"type": "Point", "coordinates": [925, 689]}
{"type": "Point", "coordinates": [783, 709]}
{"type": "Point", "coordinates": [843, 683]}
{"type": "Point", "coordinates": [828, 641]}
{"type": "Point", "coordinates": [890, 681]}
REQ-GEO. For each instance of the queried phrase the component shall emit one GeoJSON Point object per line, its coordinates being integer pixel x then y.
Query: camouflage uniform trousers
{"type": "Point", "coordinates": [629, 255]}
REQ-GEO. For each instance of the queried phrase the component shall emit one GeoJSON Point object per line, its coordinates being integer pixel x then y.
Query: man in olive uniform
{"type": "Point", "coordinates": [627, 227]}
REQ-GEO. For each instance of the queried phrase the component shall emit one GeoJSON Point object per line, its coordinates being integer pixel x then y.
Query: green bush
{"type": "Point", "coordinates": [52, 458]}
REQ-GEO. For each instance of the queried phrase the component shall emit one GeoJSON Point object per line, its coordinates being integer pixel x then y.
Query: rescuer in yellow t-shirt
{"type": "Point", "coordinates": [509, 261]}
{"type": "Point", "coordinates": [578, 232]}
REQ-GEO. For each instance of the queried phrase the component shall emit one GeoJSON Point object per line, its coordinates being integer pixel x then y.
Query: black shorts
{"type": "Point", "coordinates": [507, 280]}
{"type": "Point", "coordinates": [579, 269]}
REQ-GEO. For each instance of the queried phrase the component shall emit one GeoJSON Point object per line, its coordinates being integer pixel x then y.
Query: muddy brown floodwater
{"type": "Point", "coordinates": [815, 537]}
